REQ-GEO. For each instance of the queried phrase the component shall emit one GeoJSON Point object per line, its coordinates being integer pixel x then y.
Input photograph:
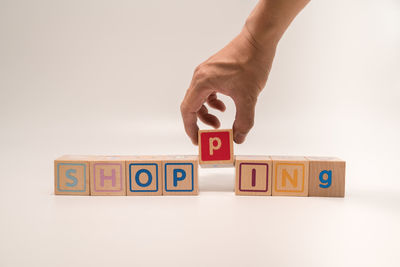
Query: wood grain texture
{"type": "Point", "coordinates": [225, 145]}
{"type": "Point", "coordinates": [180, 175]}
{"type": "Point", "coordinates": [290, 176]}
{"type": "Point", "coordinates": [72, 175]}
{"type": "Point", "coordinates": [253, 175]}
{"type": "Point", "coordinates": [327, 177]}
{"type": "Point", "coordinates": [107, 176]}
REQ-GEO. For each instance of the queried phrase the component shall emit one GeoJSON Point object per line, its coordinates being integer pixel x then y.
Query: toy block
{"type": "Point", "coordinates": [180, 175]}
{"type": "Point", "coordinates": [107, 176]}
{"type": "Point", "coordinates": [143, 176]}
{"type": "Point", "coordinates": [253, 175]}
{"type": "Point", "coordinates": [327, 177]}
{"type": "Point", "coordinates": [71, 175]}
{"type": "Point", "coordinates": [216, 148]}
{"type": "Point", "coordinates": [290, 176]}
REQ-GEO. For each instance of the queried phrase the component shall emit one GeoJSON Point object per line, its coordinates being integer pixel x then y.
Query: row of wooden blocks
{"type": "Point", "coordinates": [178, 175]}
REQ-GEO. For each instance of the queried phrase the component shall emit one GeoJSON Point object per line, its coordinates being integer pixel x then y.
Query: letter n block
{"type": "Point", "coordinates": [144, 176]}
{"type": "Point", "coordinates": [180, 175]}
{"type": "Point", "coordinates": [327, 177]}
{"type": "Point", "coordinates": [290, 176]}
{"type": "Point", "coordinates": [107, 176]}
{"type": "Point", "coordinates": [216, 148]}
{"type": "Point", "coordinates": [71, 175]}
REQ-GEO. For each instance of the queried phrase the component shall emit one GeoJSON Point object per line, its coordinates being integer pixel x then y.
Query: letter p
{"type": "Point", "coordinates": [214, 147]}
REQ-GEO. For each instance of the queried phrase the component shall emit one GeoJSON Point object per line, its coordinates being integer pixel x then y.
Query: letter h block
{"type": "Point", "coordinates": [144, 176]}
{"type": "Point", "coordinates": [253, 175]}
{"type": "Point", "coordinates": [71, 175]}
{"type": "Point", "coordinates": [107, 176]}
{"type": "Point", "coordinates": [216, 148]}
{"type": "Point", "coordinates": [290, 176]}
{"type": "Point", "coordinates": [180, 175]}
{"type": "Point", "coordinates": [327, 177]}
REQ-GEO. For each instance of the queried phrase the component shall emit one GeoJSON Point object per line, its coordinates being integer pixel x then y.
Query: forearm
{"type": "Point", "coordinates": [270, 19]}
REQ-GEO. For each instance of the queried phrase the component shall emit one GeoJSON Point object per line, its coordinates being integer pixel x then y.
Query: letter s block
{"type": "Point", "coordinates": [327, 177]}
{"type": "Point", "coordinates": [71, 175]}
{"type": "Point", "coordinates": [290, 176]}
{"type": "Point", "coordinates": [107, 176]}
{"type": "Point", "coordinates": [216, 148]}
{"type": "Point", "coordinates": [180, 175]}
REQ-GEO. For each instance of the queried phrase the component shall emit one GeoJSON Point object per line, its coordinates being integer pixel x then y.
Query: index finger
{"type": "Point", "coordinates": [191, 104]}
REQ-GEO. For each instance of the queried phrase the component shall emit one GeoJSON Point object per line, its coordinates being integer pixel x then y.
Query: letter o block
{"type": "Point", "coordinates": [327, 177]}
{"type": "Point", "coordinates": [143, 176]}
{"type": "Point", "coordinates": [216, 148]}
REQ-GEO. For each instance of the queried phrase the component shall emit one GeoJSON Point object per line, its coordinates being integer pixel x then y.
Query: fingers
{"type": "Point", "coordinates": [214, 102]}
{"type": "Point", "coordinates": [244, 120]}
{"type": "Point", "coordinates": [191, 105]}
{"type": "Point", "coordinates": [207, 118]}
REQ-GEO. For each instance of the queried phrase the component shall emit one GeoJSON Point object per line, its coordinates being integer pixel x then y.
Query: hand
{"type": "Point", "coordinates": [240, 71]}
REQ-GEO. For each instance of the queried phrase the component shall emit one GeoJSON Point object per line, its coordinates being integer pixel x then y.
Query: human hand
{"type": "Point", "coordinates": [240, 71]}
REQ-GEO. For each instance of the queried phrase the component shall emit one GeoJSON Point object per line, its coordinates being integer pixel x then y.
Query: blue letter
{"type": "Point", "coordinates": [73, 178]}
{"type": "Point", "coordinates": [325, 183]}
{"type": "Point", "coordinates": [180, 178]}
{"type": "Point", "coordinates": [137, 176]}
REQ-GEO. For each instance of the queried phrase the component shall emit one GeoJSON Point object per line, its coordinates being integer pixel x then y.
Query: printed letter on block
{"type": "Point", "coordinates": [216, 148]}
{"type": "Point", "coordinates": [180, 175]}
{"type": "Point", "coordinates": [253, 175]}
{"type": "Point", "coordinates": [290, 176]}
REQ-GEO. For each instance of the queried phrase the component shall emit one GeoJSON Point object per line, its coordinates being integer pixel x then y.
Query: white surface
{"type": "Point", "coordinates": [91, 77]}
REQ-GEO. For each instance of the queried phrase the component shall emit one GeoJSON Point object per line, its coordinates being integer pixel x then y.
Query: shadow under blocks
{"type": "Point", "coordinates": [146, 175]}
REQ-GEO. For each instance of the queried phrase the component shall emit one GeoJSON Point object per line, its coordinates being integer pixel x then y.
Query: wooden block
{"type": "Point", "coordinates": [290, 176]}
{"type": "Point", "coordinates": [180, 175]}
{"type": "Point", "coordinates": [253, 175]}
{"type": "Point", "coordinates": [327, 177]}
{"type": "Point", "coordinates": [71, 175]}
{"type": "Point", "coordinates": [216, 148]}
{"type": "Point", "coordinates": [143, 176]}
{"type": "Point", "coordinates": [107, 176]}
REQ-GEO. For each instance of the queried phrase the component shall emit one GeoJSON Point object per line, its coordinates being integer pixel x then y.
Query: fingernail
{"type": "Point", "coordinates": [239, 138]}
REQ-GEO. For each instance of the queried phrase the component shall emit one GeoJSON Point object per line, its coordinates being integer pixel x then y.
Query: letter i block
{"type": "Point", "coordinates": [253, 175]}
{"type": "Point", "coordinates": [180, 175]}
{"type": "Point", "coordinates": [144, 176]}
{"type": "Point", "coordinates": [71, 175]}
{"type": "Point", "coordinates": [107, 176]}
{"type": "Point", "coordinates": [290, 176]}
{"type": "Point", "coordinates": [327, 177]}
{"type": "Point", "coordinates": [216, 148]}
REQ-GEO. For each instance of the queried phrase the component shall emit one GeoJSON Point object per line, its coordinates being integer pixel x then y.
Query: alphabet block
{"type": "Point", "coordinates": [253, 175]}
{"type": "Point", "coordinates": [144, 176]}
{"type": "Point", "coordinates": [71, 175]}
{"type": "Point", "coordinates": [107, 176]}
{"type": "Point", "coordinates": [216, 148]}
{"type": "Point", "coordinates": [180, 175]}
{"type": "Point", "coordinates": [327, 177]}
{"type": "Point", "coordinates": [290, 176]}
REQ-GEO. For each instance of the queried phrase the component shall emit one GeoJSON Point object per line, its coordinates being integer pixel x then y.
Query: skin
{"type": "Point", "coordinates": [239, 70]}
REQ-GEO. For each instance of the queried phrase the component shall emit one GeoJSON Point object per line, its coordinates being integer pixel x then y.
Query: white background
{"type": "Point", "coordinates": [107, 77]}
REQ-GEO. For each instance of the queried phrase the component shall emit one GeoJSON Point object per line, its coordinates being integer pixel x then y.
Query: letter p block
{"type": "Point", "coordinates": [216, 148]}
{"type": "Point", "coordinates": [180, 175]}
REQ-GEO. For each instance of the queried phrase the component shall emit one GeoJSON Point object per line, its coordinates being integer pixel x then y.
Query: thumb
{"type": "Point", "coordinates": [244, 119]}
